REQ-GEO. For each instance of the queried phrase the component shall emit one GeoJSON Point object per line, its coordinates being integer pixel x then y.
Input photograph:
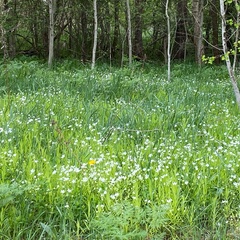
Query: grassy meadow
{"type": "Point", "coordinates": [118, 153]}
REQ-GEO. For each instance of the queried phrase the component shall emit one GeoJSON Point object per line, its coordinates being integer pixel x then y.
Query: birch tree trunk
{"type": "Point", "coordinates": [236, 35]}
{"type": "Point", "coordinates": [95, 34]}
{"type": "Point", "coordinates": [129, 31]}
{"type": "Point", "coordinates": [227, 59]}
{"type": "Point", "coordinates": [168, 42]}
{"type": "Point", "coordinates": [51, 32]}
{"type": "Point", "coordinates": [197, 11]}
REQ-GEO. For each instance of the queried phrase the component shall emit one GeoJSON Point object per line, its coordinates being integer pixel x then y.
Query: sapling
{"type": "Point", "coordinates": [226, 54]}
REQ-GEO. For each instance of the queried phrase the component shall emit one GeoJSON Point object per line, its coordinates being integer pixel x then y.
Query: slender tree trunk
{"type": "Point", "coordinates": [35, 32]}
{"type": "Point", "coordinates": [168, 42]}
{"type": "Point", "coordinates": [4, 36]}
{"type": "Point", "coordinates": [138, 41]}
{"type": "Point", "coordinates": [12, 33]}
{"type": "Point", "coordinates": [108, 29]}
{"type": "Point", "coordinates": [155, 28]}
{"type": "Point", "coordinates": [70, 38]}
{"type": "Point", "coordinates": [4, 43]}
{"type": "Point", "coordinates": [227, 59]}
{"type": "Point", "coordinates": [197, 10]}
{"type": "Point", "coordinates": [84, 35]}
{"type": "Point", "coordinates": [95, 34]}
{"type": "Point", "coordinates": [8, 27]}
{"type": "Point", "coordinates": [215, 28]}
{"type": "Point", "coordinates": [4, 12]}
{"type": "Point", "coordinates": [51, 32]}
{"type": "Point", "coordinates": [237, 34]}
{"type": "Point", "coordinates": [104, 36]}
{"type": "Point", "coordinates": [4, 31]}
{"type": "Point", "coordinates": [116, 28]}
{"type": "Point", "coordinates": [129, 31]}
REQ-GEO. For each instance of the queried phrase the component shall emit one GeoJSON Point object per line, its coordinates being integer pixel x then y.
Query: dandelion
{"type": "Point", "coordinates": [92, 162]}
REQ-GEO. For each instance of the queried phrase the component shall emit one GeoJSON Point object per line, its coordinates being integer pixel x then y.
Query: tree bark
{"type": "Point", "coordinates": [84, 35]}
{"type": "Point", "coordinates": [116, 28]}
{"type": "Point", "coordinates": [138, 41]}
{"type": "Point", "coordinates": [51, 32]}
{"type": "Point", "coordinates": [215, 28]}
{"type": "Point", "coordinates": [156, 26]}
{"type": "Point", "coordinates": [197, 11]}
{"type": "Point", "coordinates": [181, 31]}
{"type": "Point", "coordinates": [4, 34]}
{"type": "Point", "coordinates": [236, 35]}
{"type": "Point", "coordinates": [129, 33]}
{"type": "Point", "coordinates": [227, 59]}
{"type": "Point", "coordinates": [168, 42]}
{"type": "Point", "coordinates": [8, 28]}
{"type": "Point", "coordinates": [104, 36]}
{"type": "Point", "coordinates": [95, 34]}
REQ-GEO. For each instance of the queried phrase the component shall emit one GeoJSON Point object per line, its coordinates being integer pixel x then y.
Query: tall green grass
{"type": "Point", "coordinates": [118, 153]}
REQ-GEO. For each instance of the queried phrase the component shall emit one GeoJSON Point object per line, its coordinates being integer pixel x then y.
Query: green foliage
{"type": "Point", "coordinates": [208, 60]}
{"type": "Point", "coordinates": [126, 221]}
{"type": "Point", "coordinates": [99, 154]}
{"type": "Point", "coordinates": [8, 192]}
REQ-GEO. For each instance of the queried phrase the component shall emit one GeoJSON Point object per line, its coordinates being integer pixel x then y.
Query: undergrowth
{"type": "Point", "coordinates": [118, 153]}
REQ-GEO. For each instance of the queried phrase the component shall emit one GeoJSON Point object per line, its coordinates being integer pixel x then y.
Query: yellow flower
{"type": "Point", "coordinates": [91, 162]}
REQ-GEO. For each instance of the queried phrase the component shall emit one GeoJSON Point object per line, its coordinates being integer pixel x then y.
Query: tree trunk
{"type": "Point", "coordinates": [116, 28]}
{"type": "Point", "coordinates": [95, 34]}
{"type": "Point", "coordinates": [12, 34]}
{"type": "Point", "coordinates": [168, 42]}
{"type": "Point", "coordinates": [84, 35]}
{"type": "Point", "coordinates": [181, 31]}
{"type": "Point", "coordinates": [70, 37]}
{"type": "Point", "coordinates": [156, 27]}
{"type": "Point", "coordinates": [236, 35]}
{"type": "Point", "coordinates": [8, 28]}
{"type": "Point", "coordinates": [197, 10]}
{"type": "Point", "coordinates": [138, 42]}
{"type": "Point", "coordinates": [215, 28]}
{"type": "Point", "coordinates": [4, 43]}
{"type": "Point", "coordinates": [227, 59]}
{"type": "Point", "coordinates": [129, 33]}
{"type": "Point", "coordinates": [104, 27]}
{"type": "Point", "coordinates": [51, 32]}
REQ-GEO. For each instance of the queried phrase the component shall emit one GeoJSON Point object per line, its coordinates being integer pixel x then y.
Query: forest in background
{"type": "Point", "coordinates": [195, 29]}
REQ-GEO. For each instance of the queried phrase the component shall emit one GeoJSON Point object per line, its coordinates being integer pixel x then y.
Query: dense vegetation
{"type": "Point", "coordinates": [118, 153]}
{"type": "Point", "coordinates": [195, 28]}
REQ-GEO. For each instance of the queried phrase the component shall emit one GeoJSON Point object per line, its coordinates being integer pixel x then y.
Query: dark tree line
{"type": "Point", "coordinates": [25, 28]}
